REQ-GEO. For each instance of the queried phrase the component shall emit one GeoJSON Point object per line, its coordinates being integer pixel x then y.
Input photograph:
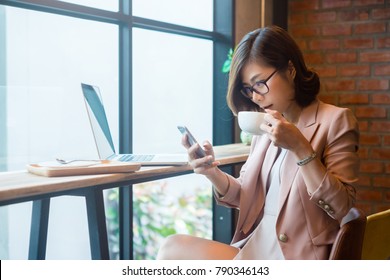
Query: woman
{"type": "Point", "coordinates": [297, 183]}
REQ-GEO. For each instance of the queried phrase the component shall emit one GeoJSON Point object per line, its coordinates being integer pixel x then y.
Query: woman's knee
{"type": "Point", "coordinates": [173, 246]}
{"type": "Point", "coordinates": [187, 247]}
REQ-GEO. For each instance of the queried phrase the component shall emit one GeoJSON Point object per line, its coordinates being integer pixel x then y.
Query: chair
{"type": "Point", "coordinates": [349, 240]}
{"type": "Point", "coordinates": [376, 244]}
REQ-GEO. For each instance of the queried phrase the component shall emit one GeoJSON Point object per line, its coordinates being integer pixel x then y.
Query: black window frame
{"type": "Point", "coordinates": [223, 121]}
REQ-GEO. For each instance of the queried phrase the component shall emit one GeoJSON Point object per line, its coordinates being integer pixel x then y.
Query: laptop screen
{"type": "Point", "coordinates": [98, 120]}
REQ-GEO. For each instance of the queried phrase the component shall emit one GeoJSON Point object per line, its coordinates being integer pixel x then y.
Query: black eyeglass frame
{"type": "Point", "coordinates": [248, 91]}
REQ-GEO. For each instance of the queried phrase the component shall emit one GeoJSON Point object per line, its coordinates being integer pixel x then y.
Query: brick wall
{"type": "Point", "coordinates": [348, 43]}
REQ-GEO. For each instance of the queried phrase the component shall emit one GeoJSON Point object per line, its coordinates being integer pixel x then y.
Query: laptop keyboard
{"type": "Point", "coordinates": [137, 158]}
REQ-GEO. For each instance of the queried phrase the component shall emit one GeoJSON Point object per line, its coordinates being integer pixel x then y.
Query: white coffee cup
{"type": "Point", "coordinates": [250, 122]}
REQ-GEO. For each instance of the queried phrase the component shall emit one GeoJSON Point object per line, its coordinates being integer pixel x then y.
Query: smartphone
{"type": "Point", "coordinates": [191, 140]}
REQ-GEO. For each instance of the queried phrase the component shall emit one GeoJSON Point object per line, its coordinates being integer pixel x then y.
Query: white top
{"type": "Point", "coordinates": [264, 237]}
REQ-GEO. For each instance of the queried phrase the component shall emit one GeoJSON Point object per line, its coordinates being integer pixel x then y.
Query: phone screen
{"type": "Point", "coordinates": [191, 140]}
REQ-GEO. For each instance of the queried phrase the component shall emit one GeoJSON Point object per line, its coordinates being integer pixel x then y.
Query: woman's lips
{"type": "Point", "coordinates": [267, 107]}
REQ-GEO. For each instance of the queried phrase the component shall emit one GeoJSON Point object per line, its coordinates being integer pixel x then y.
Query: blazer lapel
{"type": "Point", "coordinates": [308, 126]}
{"type": "Point", "coordinates": [257, 191]}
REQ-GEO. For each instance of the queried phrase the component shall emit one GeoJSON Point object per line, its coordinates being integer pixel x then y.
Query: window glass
{"type": "Point", "coordinates": [197, 14]}
{"type": "Point", "coordinates": [172, 85]}
{"type": "Point", "coordinates": [46, 116]}
{"type": "Point", "coordinates": [46, 58]}
{"type": "Point", "coordinates": [111, 5]}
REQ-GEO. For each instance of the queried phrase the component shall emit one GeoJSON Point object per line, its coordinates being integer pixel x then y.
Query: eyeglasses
{"type": "Point", "coordinates": [260, 87]}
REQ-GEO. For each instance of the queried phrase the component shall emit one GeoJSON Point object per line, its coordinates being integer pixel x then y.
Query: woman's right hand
{"type": "Point", "coordinates": [205, 165]}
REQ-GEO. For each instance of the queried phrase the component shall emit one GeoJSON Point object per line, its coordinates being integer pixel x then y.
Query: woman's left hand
{"type": "Point", "coordinates": [281, 132]}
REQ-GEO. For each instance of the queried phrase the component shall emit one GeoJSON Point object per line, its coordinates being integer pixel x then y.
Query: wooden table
{"type": "Point", "coordinates": [22, 186]}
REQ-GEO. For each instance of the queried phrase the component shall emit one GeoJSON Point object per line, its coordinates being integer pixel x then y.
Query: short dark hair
{"type": "Point", "coordinates": [271, 46]}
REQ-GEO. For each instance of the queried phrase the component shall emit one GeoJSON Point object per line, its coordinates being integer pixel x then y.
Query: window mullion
{"type": "Point", "coordinates": [69, 9]}
{"type": "Point", "coordinates": [125, 131]}
{"type": "Point", "coordinates": [223, 121]}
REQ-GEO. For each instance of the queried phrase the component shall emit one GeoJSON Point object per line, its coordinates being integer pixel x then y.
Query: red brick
{"type": "Point", "coordinates": [386, 141]}
{"type": "Point", "coordinates": [383, 42]}
{"type": "Point", "coordinates": [305, 31]}
{"type": "Point", "coordinates": [324, 44]}
{"type": "Point", "coordinates": [361, 43]}
{"type": "Point", "coordinates": [353, 98]}
{"type": "Point", "coordinates": [369, 28]}
{"type": "Point", "coordinates": [380, 126]}
{"type": "Point", "coordinates": [380, 98]}
{"type": "Point", "coordinates": [381, 207]}
{"type": "Point", "coordinates": [314, 58]}
{"type": "Point", "coordinates": [321, 17]}
{"type": "Point", "coordinates": [375, 56]}
{"type": "Point", "coordinates": [328, 4]}
{"type": "Point", "coordinates": [387, 196]}
{"type": "Point", "coordinates": [326, 71]}
{"type": "Point", "coordinates": [369, 195]}
{"type": "Point", "coordinates": [363, 153]}
{"type": "Point", "coordinates": [364, 206]}
{"type": "Point", "coordinates": [373, 85]}
{"type": "Point", "coordinates": [337, 29]}
{"type": "Point", "coordinates": [383, 153]}
{"type": "Point", "coordinates": [364, 181]}
{"type": "Point", "coordinates": [382, 181]}
{"type": "Point", "coordinates": [341, 57]}
{"type": "Point", "coordinates": [353, 15]}
{"type": "Point", "coordinates": [363, 125]}
{"type": "Point", "coordinates": [370, 112]}
{"type": "Point", "coordinates": [303, 5]}
{"type": "Point", "coordinates": [367, 2]}
{"type": "Point", "coordinates": [387, 168]}
{"type": "Point", "coordinates": [380, 13]}
{"type": "Point", "coordinates": [328, 98]}
{"type": "Point", "coordinates": [370, 139]}
{"type": "Point", "coordinates": [340, 85]}
{"type": "Point", "coordinates": [302, 44]}
{"type": "Point", "coordinates": [371, 167]}
{"type": "Point", "coordinates": [382, 70]}
{"type": "Point", "coordinates": [355, 70]}
{"type": "Point", "coordinates": [295, 19]}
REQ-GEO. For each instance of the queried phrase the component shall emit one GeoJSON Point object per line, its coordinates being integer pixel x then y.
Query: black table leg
{"type": "Point", "coordinates": [38, 229]}
{"type": "Point", "coordinates": [97, 224]}
{"type": "Point", "coordinates": [126, 223]}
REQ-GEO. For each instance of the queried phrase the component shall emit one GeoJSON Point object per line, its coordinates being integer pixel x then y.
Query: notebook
{"type": "Point", "coordinates": [103, 140]}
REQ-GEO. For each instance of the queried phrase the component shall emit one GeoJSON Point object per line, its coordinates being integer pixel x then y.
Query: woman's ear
{"type": "Point", "coordinates": [291, 70]}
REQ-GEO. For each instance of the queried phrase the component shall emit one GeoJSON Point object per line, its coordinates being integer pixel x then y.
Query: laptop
{"type": "Point", "coordinates": [103, 140]}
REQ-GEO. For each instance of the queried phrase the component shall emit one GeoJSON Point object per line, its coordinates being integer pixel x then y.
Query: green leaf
{"type": "Point", "coordinates": [226, 66]}
{"type": "Point", "coordinates": [230, 54]}
{"type": "Point", "coordinates": [228, 62]}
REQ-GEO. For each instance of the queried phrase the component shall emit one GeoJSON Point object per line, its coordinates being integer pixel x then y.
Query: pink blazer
{"type": "Point", "coordinates": [307, 224]}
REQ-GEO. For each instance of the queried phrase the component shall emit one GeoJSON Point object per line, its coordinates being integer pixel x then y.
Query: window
{"type": "Point", "coordinates": [99, 4]}
{"type": "Point", "coordinates": [185, 13]}
{"type": "Point", "coordinates": [45, 114]}
{"type": "Point", "coordinates": [154, 71]}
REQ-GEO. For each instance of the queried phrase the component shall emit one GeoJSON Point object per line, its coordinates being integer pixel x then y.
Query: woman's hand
{"type": "Point", "coordinates": [205, 165]}
{"type": "Point", "coordinates": [285, 134]}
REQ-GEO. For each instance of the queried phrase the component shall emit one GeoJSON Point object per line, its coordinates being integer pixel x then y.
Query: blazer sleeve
{"type": "Point", "coordinates": [336, 194]}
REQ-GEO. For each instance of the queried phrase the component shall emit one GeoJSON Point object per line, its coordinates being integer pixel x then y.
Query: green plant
{"type": "Point", "coordinates": [158, 214]}
{"type": "Point", "coordinates": [226, 65]}
{"type": "Point", "coordinates": [112, 218]}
